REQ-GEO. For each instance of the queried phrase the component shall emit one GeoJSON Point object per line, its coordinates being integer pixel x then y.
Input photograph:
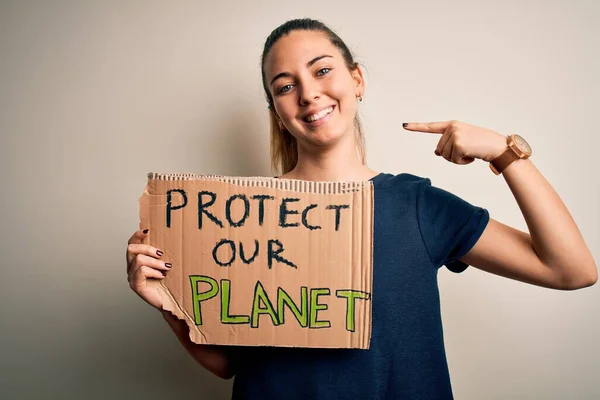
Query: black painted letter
{"type": "Point", "coordinates": [228, 209]}
{"type": "Point", "coordinates": [283, 211]}
{"type": "Point", "coordinates": [201, 206]}
{"type": "Point", "coordinates": [261, 206]}
{"type": "Point", "coordinates": [304, 219]}
{"type": "Point", "coordinates": [274, 254]}
{"type": "Point", "coordinates": [243, 255]}
{"type": "Point", "coordinates": [337, 208]}
{"type": "Point", "coordinates": [170, 207]}
{"type": "Point", "coordinates": [214, 253]}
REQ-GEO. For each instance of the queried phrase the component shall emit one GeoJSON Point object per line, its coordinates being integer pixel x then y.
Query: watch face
{"type": "Point", "coordinates": [522, 144]}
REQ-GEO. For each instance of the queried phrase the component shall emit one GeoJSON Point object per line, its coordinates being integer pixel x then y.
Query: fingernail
{"type": "Point", "coordinates": [164, 273]}
{"type": "Point", "coordinates": [146, 231]}
{"type": "Point", "coordinates": [168, 265]}
{"type": "Point", "coordinates": [159, 253]}
{"type": "Point", "coordinates": [437, 153]}
{"type": "Point", "coordinates": [404, 124]}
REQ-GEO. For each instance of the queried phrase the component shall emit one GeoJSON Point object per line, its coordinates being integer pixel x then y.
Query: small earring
{"type": "Point", "coordinates": [359, 98]}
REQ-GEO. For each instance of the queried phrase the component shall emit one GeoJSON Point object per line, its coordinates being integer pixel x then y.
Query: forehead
{"type": "Point", "coordinates": [296, 49]}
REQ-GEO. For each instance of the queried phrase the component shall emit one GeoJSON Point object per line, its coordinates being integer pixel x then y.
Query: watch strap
{"type": "Point", "coordinates": [498, 164]}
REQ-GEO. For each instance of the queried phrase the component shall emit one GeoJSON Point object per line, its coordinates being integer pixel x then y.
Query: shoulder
{"type": "Point", "coordinates": [407, 186]}
{"type": "Point", "coordinates": [404, 179]}
{"type": "Point", "coordinates": [393, 191]}
{"type": "Point", "coordinates": [416, 188]}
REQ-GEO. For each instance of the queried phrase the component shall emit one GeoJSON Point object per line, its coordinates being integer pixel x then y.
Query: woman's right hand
{"type": "Point", "coordinates": [144, 264]}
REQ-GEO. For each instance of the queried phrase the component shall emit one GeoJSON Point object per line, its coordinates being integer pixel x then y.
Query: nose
{"type": "Point", "coordinates": [309, 91]}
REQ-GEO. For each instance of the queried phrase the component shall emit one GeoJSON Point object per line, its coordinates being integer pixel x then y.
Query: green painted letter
{"type": "Point", "coordinates": [225, 297]}
{"type": "Point", "coordinates": [315, 307]}
{"type": "Point", "coordinates": [350, 296]}
{"type": "Point", "coordinates": [283, 298]}
{"type": "Point", "coordinates": [197, 298]}
{"type": "Point", "coordinates": [259, 294]}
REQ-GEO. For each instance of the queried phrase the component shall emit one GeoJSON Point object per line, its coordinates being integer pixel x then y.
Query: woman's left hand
{"type": "Point", "coordinates": [462, 143]}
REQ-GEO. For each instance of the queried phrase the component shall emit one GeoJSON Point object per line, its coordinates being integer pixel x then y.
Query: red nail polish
{"type": "Point", "coordinates": [146, 231]}
{"type": "Point", "coordinates": [159, 253]}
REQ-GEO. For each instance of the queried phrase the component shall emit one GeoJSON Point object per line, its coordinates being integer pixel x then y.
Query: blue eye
{"type": "Point", "coordinates": [281, 90]}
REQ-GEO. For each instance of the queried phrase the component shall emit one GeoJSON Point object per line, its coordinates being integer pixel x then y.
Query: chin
{"type": "Point", "coordinates": [322, 137]}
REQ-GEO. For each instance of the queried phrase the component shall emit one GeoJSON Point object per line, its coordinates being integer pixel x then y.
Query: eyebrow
{"type": "Point", "coordinates": [308, 64]}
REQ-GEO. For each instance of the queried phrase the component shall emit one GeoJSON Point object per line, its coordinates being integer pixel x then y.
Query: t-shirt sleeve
{"type": "Point", "coordinates": [449, 225]}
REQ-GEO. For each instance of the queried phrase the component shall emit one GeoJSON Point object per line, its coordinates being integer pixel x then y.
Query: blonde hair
{"type": "Point", "coordinates": [284, 148]}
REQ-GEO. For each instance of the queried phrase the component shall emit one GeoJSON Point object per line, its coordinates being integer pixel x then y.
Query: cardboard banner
{"type": "Point", "coordinates": [264, 261]}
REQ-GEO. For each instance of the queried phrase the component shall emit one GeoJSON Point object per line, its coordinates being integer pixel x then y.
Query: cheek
{"type": "Point", "coordinates": [342, 90]}
{"type": "Point", "coordinates": [338, 89]}
{"type": "Point", "coordinates": [286, 111]}
{"type": "Point", "coordinates": [346, 100]}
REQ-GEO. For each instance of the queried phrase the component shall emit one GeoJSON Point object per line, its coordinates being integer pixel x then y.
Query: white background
{"type": "Point", "coordinates": [93, 95]}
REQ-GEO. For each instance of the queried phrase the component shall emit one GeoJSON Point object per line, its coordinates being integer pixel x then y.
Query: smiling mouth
{"type": "Point", "coordinates": [315, 118]}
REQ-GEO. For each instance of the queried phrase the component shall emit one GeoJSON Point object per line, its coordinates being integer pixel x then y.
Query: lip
{"type": "Point", "coordinates": [320, 121]}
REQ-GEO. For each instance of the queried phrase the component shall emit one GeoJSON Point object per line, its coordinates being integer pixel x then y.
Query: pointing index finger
{"type": "Point", "coordinates": [429, 127]}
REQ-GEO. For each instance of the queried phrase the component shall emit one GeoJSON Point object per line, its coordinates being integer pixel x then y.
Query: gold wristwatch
{"type": "Point", "coordinates": [518, 149]}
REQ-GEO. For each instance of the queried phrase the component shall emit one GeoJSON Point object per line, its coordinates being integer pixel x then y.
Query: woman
{"type": "Point", "coordinates": [312, 85]}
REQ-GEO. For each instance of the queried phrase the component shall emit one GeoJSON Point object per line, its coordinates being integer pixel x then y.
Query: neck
{"type": "Point", "coordinates": [336, 163]}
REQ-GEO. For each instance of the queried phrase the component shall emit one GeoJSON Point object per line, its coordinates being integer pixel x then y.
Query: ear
{"type": "Point", "coordinates": [359, 82]}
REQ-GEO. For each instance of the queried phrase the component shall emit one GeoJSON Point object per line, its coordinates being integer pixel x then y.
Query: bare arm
{"type": "Point", "coordinates": [213, 358]}
{"type": "Point", "coordinates": [553, 254]}
{"type": "Point", "coordinates": [144, 263]}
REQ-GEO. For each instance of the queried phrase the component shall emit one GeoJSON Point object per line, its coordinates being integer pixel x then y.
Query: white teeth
{"type": "Point", "coordinates": [319, 115]}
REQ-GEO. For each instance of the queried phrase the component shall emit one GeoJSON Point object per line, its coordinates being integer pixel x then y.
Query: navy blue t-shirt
{"type": "Point", "coordinates": [417, 229]}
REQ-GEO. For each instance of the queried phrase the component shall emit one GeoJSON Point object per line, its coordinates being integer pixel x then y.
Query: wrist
{"type": "Point", "coordinates": [500, 146]}
{"type": "Point", "coordinates": [516, 148]}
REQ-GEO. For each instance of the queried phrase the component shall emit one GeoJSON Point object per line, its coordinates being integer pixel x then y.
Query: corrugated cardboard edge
{"type": "Point", "coordinates": [370, 321]}
{"type": "Point", "coordinates": [317, 187]}
{"type": "Point", "coordinates": [321, 187]}
{"type": "Point", "coordinates": [168, 302]}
